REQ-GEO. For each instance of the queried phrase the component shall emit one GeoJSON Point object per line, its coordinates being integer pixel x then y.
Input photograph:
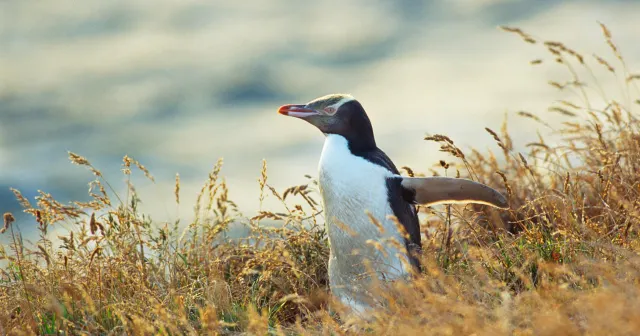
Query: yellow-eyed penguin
{"type": "Point", "coordinates": [356, 177]}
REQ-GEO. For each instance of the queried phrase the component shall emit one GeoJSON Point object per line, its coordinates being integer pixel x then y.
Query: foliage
{"type": "Point", "coordinates": [563, 260]}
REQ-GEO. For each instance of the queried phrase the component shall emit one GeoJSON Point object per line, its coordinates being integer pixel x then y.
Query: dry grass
{"type": "Point", "coordinates": [563, 260]}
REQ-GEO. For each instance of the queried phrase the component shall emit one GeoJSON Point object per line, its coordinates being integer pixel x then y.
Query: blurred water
{"type": "Point", "coordinates": [177, 84]}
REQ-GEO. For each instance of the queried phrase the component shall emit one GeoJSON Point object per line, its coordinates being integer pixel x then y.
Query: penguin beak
{"type": "Point", "coordinates": [298, 111]}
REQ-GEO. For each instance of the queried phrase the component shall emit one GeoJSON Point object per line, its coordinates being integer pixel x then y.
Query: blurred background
{"type": "Point", "coordinates": [178, 84]}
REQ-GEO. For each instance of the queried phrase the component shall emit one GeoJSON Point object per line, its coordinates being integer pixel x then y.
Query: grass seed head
{"type": "Point", "coordinates": [8, 219]}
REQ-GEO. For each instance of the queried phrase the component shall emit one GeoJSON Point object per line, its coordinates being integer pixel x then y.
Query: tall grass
{"type": "Point", "coordinates": [563, 260]}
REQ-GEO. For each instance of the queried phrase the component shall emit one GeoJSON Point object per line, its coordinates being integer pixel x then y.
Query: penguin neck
{"type": "Point", "coordinates": [360, 136]}
{"type": "Point", "coordinates": [360, 144]}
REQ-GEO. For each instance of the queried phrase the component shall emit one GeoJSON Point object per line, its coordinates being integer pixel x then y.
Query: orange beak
{"type": "Point", "coordinates": [298, 111]}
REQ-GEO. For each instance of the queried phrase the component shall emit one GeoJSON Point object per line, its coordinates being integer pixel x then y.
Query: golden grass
{"type": "Point", "coordinates": [563, 260]}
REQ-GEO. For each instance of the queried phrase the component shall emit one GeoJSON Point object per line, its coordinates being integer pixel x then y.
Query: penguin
{"type": "Point", "coordinates": [369, 208]}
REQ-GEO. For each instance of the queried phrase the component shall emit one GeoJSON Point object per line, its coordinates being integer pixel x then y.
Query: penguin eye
{"type": "Point", "coordinates": [330, 110]}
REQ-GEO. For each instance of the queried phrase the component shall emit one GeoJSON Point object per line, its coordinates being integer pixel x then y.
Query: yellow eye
{"type": "Point", "coordinates": [330, 110]}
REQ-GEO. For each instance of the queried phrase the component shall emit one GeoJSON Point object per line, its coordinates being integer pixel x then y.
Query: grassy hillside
{"type": "Point", "coordinates": [563, 260]}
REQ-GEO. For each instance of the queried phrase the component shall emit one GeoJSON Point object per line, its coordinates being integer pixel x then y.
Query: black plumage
{"type": "Point", "coordinates": [362, 143]}
{"type": "Point", "coordinates": [341, 117]}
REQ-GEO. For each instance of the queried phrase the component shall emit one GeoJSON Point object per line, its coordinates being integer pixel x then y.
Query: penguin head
{"type": "Point", "coordinates": [339, 114]}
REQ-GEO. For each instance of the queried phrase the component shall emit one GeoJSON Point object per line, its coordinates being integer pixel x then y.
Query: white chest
{"type": "Point", "coordinates": [350, 186]}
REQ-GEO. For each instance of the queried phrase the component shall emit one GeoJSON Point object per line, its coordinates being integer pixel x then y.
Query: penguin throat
{"type": "Point", "coordinates": [357, 144]}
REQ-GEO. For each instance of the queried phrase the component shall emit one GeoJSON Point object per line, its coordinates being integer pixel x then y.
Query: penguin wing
{"type": "Point", "coordinates": [438, 190]}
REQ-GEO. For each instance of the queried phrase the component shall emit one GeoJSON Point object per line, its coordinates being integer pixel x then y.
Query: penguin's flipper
{"type": "Point", "coordinates": [438, 190]}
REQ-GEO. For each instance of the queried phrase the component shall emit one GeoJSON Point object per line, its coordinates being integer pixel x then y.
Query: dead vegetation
{"type": "Point", "coordinates": [563, 260]}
